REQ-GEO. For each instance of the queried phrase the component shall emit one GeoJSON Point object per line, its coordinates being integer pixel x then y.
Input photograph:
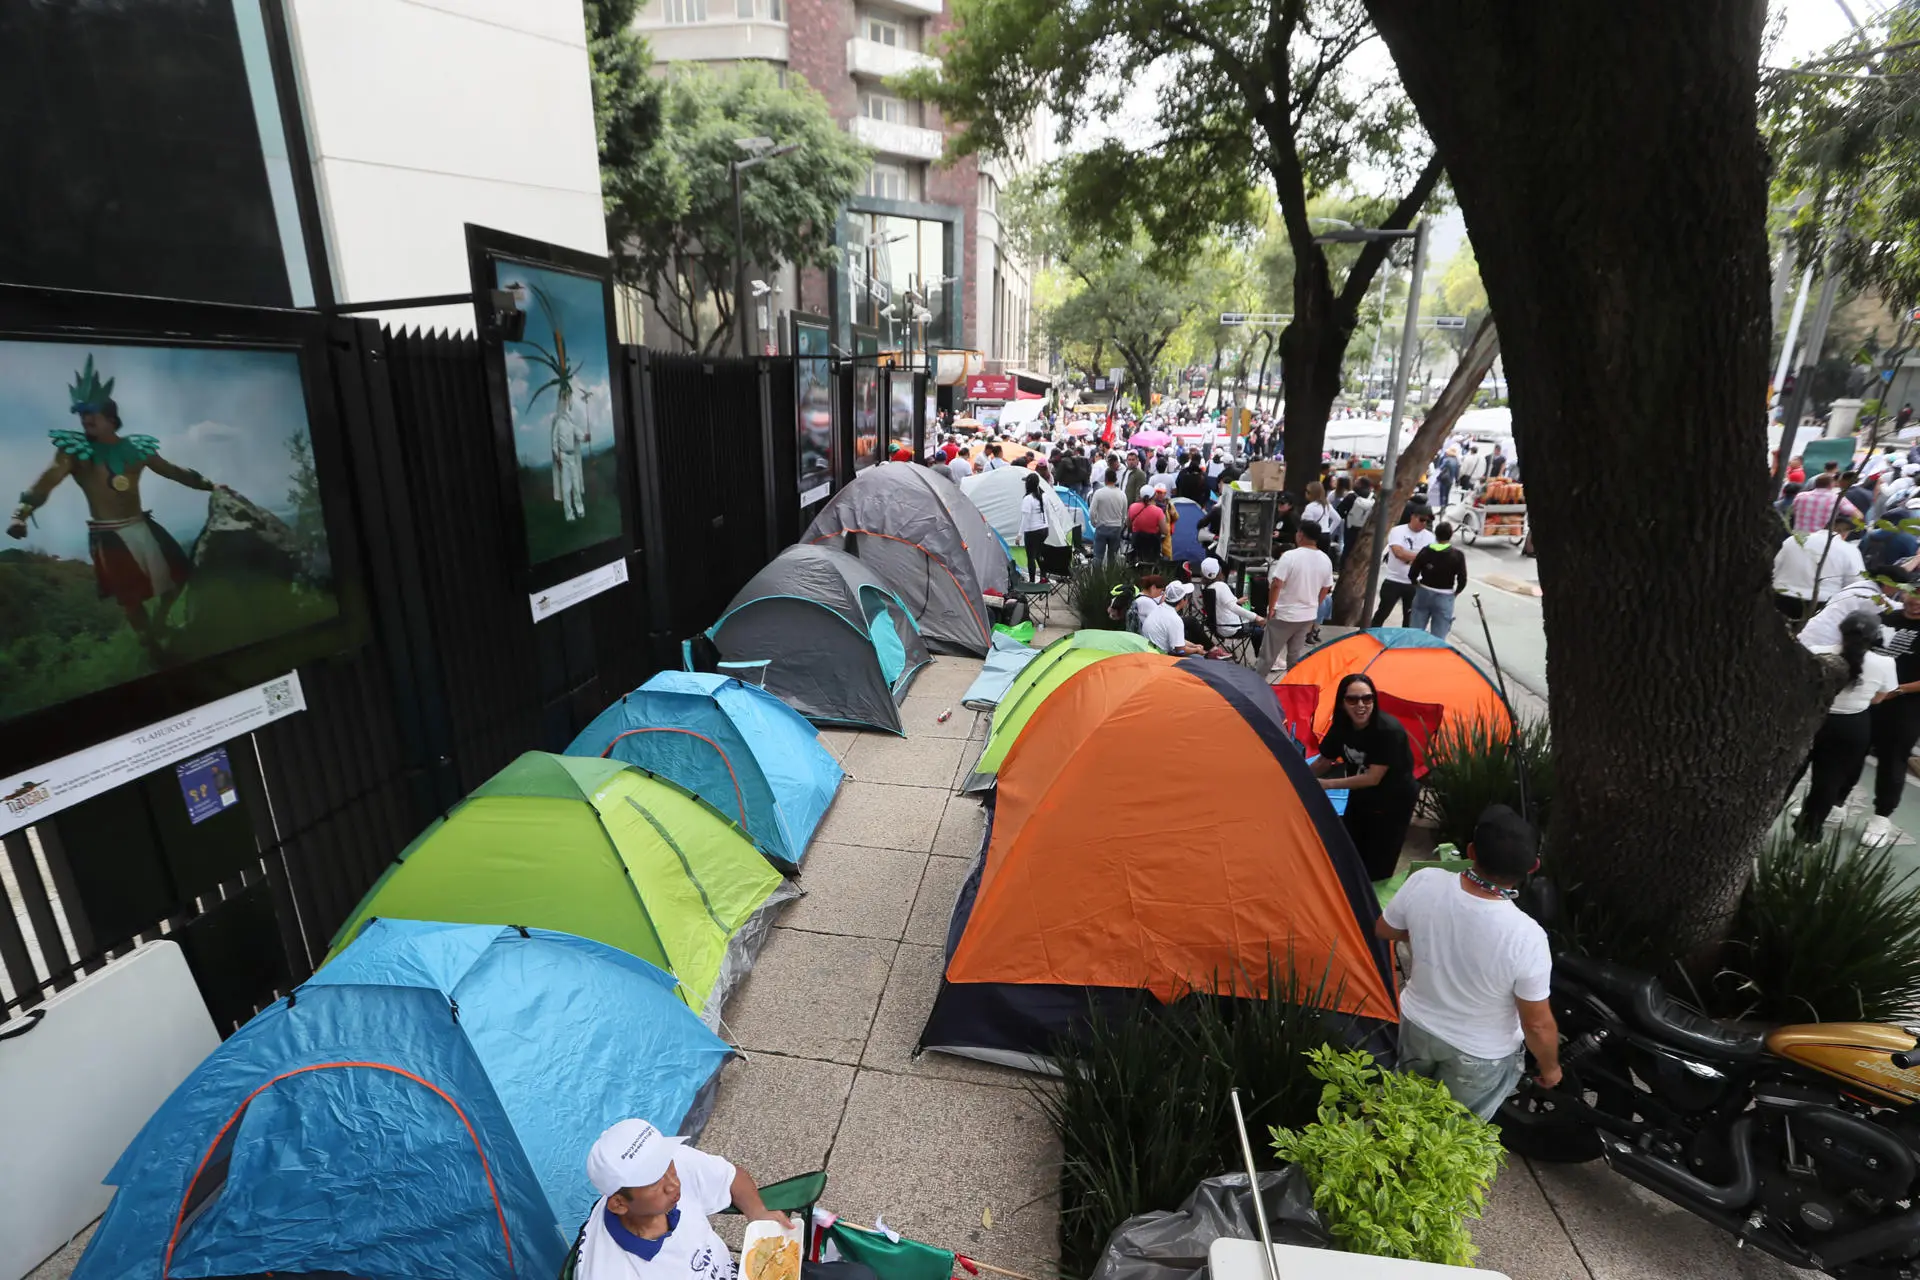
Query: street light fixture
{"type": "Point", "coordinates": [759, 150]}
{"type": "Point", "coordinates": [1408, 337]}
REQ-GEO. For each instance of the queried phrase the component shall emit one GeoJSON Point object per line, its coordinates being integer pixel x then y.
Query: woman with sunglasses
{"type": "Point", "coordinates": [1366, 754]}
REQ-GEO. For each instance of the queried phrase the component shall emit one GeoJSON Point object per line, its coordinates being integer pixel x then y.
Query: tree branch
{"type": "Point", "coordinates": [1374, 252]}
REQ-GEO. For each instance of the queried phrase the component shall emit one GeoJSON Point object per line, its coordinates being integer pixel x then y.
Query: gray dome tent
{"type": "Point", "coordinates": [921, 536]}
{"type": "Point", "coordinates": [840, 647]}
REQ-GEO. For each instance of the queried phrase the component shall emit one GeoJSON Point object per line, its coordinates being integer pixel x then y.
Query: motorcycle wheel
{"type": "Point", "coordinates": [1531, 1125]}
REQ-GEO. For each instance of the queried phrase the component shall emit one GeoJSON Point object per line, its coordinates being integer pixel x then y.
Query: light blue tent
{"type": "Point", "coordinates": [734, 745]}
{"type": "Point", "coordinates": [1078, 505]}
{"type": "Point", "coordinates": [420, 1107]}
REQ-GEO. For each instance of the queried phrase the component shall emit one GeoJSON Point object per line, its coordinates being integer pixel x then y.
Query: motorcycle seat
{"type": "Point", "coordinates": [1653, 1011]}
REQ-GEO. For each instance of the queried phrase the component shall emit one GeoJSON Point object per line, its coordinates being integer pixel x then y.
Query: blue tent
{"type": "Point", "coordinates": [1186, 534]}
{"type": "Point", "coordinates": [421, 1106]}
{"type": "Point", "coordinates": [737, 747]}
{"type": "Point", "coordinates": [1078, 505]}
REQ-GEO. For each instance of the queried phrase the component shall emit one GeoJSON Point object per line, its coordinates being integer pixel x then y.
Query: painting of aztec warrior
{"type": "Point", "coordinates": [134, 559]}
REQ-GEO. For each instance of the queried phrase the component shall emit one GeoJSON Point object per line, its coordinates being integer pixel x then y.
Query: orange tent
{"type": "Point", "coordinates": [1118, 862]}
{"type": "Point", "coordinates": [1411, 665]}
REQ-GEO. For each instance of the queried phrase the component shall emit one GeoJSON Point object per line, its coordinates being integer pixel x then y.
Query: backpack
{"type": "Point", "coordinates": [1120, 606]}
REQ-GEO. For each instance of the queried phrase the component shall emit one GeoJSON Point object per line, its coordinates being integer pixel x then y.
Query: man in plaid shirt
{"type": "Point", "coordinates": [1814, 508]}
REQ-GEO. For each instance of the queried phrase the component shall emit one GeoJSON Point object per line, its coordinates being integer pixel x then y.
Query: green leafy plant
{"type": "Point", "coordinates": [1471, 768]}
{"type": "Point", "coordinates": [1092, 591]}
{"type": "Point", "coordinates": [1827, 931]}
{"type": "Point", "coordinates": [1397, 1166]}
{"type": "Point", "coordinates": [1142, 1109]}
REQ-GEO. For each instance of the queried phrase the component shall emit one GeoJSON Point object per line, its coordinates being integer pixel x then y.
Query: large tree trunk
{"type": "Point", "coordinates": [1606, 157]}
{"type": "Point", "coordinates": [1313, 347]}
{"type": "Point", "coordinates": [1350, 596]}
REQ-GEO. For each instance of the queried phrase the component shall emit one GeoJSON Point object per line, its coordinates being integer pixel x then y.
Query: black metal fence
{"type": "Point", "coordinates": [456, 680]}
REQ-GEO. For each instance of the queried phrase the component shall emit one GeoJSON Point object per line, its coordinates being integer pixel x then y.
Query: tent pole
{"type": "Point", "coordinates": [1518, 746]}
{"type": "Point", "coordinates": [1253, 1189]}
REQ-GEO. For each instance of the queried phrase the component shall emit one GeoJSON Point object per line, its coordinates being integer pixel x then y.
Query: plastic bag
{"type": "Point", "coordinates": [1173, 1246]}
{"type": "Point", "coordinates": [1023, 632]}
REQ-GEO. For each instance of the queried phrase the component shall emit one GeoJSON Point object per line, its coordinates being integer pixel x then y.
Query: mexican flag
{"type": "Point", "coordinates": [891, 1255]}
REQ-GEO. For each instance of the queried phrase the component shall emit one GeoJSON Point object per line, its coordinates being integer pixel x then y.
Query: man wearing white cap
{"type": "Point", "coordinates": [656, 1194]}
{"type": "Point", "coordinates": [1163, 627]}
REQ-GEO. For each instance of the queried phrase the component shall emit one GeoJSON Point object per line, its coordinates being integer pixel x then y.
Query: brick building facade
{"type": "Point", "coordinates": [921, 259]}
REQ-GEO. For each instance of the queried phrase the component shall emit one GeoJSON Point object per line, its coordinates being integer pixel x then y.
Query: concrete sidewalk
{"type": "Point", "coordinates": [956, 1153]}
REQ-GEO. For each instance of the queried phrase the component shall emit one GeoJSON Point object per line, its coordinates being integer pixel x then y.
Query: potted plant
{"type": "Point", "coordinates": [1397, 1166]}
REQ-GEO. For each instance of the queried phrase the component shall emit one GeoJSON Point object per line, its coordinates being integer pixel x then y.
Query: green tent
{"type": "Point", "coordinates": [1055, 665]}
{"type": "Point", "coordinates": [597, 848]}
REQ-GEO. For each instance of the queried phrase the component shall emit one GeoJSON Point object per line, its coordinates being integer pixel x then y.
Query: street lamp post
{"type": "Point", "coordinates": [1409, 337]}
{"type": "Point", "coordinates": [759, 151]}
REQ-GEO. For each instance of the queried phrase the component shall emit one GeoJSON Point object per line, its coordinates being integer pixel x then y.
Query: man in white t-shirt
{"type": "Point", "coordinates": [1163, 627]}
{"type": "Point", "coordinates": [1396, 575]}
{"type": "Point", "coordinates": [1482, 970]}
{"type": "Point", "coordinates": [959, 468]}
{"type": "Point", "coordinates": [656, 1194]}
{"type": "Point", "coordinates": [1298, 581]}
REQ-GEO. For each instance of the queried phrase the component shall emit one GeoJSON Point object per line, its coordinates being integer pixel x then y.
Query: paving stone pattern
{"type": "Point", "coordinates": [830, 1015]}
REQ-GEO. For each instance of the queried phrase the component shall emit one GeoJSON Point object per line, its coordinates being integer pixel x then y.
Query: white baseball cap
{"type": "Point", "coordinates": [630, 1154]}
{"type": "Point", "coordinates": [1209, 568]}
{"type": "Point", "coordinates": [1178, 591]}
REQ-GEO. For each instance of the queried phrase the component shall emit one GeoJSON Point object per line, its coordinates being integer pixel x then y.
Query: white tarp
{"type": "Point", "coordinates": [998, 494]}
{"type": "Point", "coordinates": [1019, 412]}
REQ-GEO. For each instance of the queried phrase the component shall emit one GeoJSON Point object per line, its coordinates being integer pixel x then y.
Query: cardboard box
{"type": "Point", "coordinates": [1267, 476]}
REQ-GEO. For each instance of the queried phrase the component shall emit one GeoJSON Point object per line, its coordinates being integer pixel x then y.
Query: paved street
{"type": "Point", "coordinates": [1506, 583]}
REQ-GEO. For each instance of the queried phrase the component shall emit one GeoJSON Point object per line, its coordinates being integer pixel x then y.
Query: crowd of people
{"type": "Point", "coordinates": [1847, 574]}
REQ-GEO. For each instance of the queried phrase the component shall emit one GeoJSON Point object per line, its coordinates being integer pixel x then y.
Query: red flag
{"type": "Point", "coordinates": [1106, 437]}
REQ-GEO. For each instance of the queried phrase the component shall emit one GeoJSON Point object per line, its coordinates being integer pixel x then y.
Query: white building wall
{"type": "Point", "coordinates": [425, 115]}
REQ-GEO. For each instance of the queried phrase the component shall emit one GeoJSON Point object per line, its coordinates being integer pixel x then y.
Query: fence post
{"type": "Point", "coordinates": [771, 506]}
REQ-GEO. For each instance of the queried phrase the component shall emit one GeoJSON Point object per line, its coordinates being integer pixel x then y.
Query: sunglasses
{"type": "Point", "coordinates": [1358, 699]}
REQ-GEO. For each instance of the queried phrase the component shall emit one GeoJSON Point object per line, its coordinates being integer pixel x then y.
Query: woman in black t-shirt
{"type": "Point", "coordinates": [1366, 754]}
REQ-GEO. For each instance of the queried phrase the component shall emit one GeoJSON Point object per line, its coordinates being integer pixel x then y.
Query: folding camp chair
{"type": "Point", "coordinates": [1299, 703]}
{"type": "Point", "coordinates": [1421, 720]}
{"type": "Point", "coordinates": [796, 1195]}
{"type": "Point", "coordinates": [1044, 583]}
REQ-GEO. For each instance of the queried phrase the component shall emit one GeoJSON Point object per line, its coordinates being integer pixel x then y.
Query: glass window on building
{"type": "Point", "coordinates": [895, 279]}
{"type": "Point", "coordinates": [989, 193]}
{"type": "Point", "coordinates": [881, 31]}
{"type": "Point", "coordinates": [889, 182]}
{"type": "Point", "coordinates": [880, 106]}
{"type": "Point", "coordinates": [684, 11]}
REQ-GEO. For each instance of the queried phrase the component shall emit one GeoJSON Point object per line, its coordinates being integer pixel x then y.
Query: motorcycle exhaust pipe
{"type": "Point", "coordinates": [1658, 1174]}
{"type": "Point", "coordinates": [1877, 1238]}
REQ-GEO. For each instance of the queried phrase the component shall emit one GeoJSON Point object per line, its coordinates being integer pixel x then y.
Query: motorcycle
{"type": "Point", "coordinates": [1803, 1141]}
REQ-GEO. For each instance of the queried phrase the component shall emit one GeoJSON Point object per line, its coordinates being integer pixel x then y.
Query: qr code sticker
{"type": "Point", "coordinates": [279, 695]}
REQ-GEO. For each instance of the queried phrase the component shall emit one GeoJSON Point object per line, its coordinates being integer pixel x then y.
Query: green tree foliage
{"type": "Point", "coordinates": [1121, 300]}
{"type": "Point", "coordinates": [629, 107]}
{"type": "Point", "coordinates": [1847, 126]}
{"type": "Point", "coordinates": [1458, 292]}
{"type": "Point", "coordinates": [670, 203]}
{"type": "Point", "coordinates": [1243, 94]}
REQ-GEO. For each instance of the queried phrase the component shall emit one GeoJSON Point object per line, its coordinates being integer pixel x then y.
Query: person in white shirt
{"type": "Point", "coordinates": [1811, 571]}
{"type": "Point", "coordinates": [1298, 581]}
{"type": "Point", "coordinates": [656, 1194]}
{"type": "Point", "coordinates": [960, 468]}
{"type": "Point", "coordinates": [995, 458]}
{"type": "Point", "coordinates": [1163, 627]}
{"type": "Point", "coordinates": [1840, 746]}
{"type": "Point", "coordinates": [1226, 613]}
{"type": "Point", "coordinates": [1033, 525]}
{"type": "Point", "coordinates": [1863, 596]}
{"type": "Point", "coordinates": [1404, 542]}
{"type": "Point", "coordinates": [1482, 970]}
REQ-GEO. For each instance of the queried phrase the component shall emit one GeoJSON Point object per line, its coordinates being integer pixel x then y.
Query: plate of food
{"type": "Point", "coordinates": [769, 1252]}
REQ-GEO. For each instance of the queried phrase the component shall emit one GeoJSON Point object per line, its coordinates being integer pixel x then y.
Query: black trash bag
{"type": "Point", "coordinates": [1173, 1246]}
